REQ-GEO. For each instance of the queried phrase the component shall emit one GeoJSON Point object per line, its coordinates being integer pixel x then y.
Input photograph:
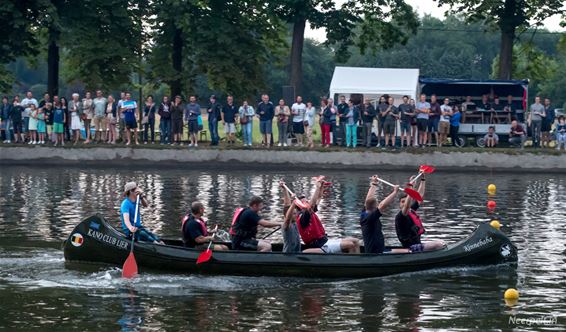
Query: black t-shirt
{"type": "Point", "coordinates": [191, 231]}
{"type": "Point", "coordinates": [404, 109]}
{"type": "Point", "coordinates": [246, 225]}
{"type": "Point", "coordinates": [407, 233]}
{"type": "Point", "coordinates": [268, 111]}
{"type": "Point", "coordinates": [230, 112]}
{"type": "Point", "coordinates": [374, 243]}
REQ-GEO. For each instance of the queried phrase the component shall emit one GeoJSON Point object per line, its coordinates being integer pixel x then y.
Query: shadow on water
{"type": "Point", "coordinates": [41, 206]}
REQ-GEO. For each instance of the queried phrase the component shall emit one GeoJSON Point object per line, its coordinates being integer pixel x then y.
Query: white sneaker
{"type": "Point", "coordinates": [8, 141]}
{"type": "Point", "coordinates": [378, 145]}
{"type": "Point", "coordinates": [285, 144]}
{"type": "Point", "coordinates": [191, 145]}
{"type": "Point", "coordinates": [279, 144]}
{"type": "Point", "coordinates": [62, 143]}
{"type": "Point", "coordinates": [196, 145]}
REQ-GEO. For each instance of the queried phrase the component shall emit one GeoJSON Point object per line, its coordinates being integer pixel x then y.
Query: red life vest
{"type": "Point", "coordinates": [418, 224]}
{"type": "Point", "coordinates": [313, 232]}
{"type": "Point", "coordinates": [234, 218]}
{"type": "Point", "coordinates": [201, 222]}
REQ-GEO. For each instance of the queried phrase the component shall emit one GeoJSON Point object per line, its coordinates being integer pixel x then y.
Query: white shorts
{"type": "Point", "coordinates": [230, 128]}
{"type": "Point", "coordinates": [332, 247]}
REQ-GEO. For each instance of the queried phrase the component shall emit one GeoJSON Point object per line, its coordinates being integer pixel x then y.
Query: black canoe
{"type": "Point", "coordinates": [96, 241]}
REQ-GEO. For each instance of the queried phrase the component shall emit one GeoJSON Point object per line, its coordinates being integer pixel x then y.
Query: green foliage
{"type": "Point", "coordinates": [529, 62]}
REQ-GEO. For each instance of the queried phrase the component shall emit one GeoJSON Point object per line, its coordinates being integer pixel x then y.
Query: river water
{"type": "Point", "coordinates": [40, 206]}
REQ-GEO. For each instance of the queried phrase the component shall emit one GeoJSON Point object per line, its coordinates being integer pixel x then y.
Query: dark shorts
{"type": "Point", "coordinates": [131, 124]}
{"type": "Point", "coordinates": [406, 127]}
{"type": "Point", "coordinates": [248, 244]}
{"type": "Point", "coordinates": [422, 124]}
{"type": "Point", "coordinates": [433, 125]}
{"type": "Point", "coordinates": [266, 127]}
{"type": "Point", "coordinates": [193, 126]}
{"type": "Point", "coordinates": [298, 127]}
{"type": "Point", "coordinates": [546, 127]}
{"type": "Point", "coordinates": [17, 127]}
{"type": "Point", "coordinates": [177, 126]}
{"type": "Point", "coordinates": [389, 127]}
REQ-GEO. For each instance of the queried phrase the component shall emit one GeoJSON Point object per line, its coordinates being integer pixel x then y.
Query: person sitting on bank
{"type": "Point", "coordinates": [374, 241]}
{"type": "Point", "coordinates": [244, 229]}
{"type": "Point", "coordinates": [409, 226]}
{"type": "Point", "coordinates": [517, 135]}
{"type": "Point", "coordinates": [491, 139]}
{"type": "Point", "coordinates": [312, 232]}
{"type": "Point", "coordinates": [128, 213]}
{"type": "Point", "coordinates": [195, 232]}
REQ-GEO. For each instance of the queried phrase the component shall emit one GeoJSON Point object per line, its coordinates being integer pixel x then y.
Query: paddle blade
{"type": "Point", "coordinates": [204, 256]}
{"type": "Point", "coordinates": [130, 268]}
{"type": "Point", "coordinates": [413, 194]}
{"type": "Point", "coordinates": [426, 169]}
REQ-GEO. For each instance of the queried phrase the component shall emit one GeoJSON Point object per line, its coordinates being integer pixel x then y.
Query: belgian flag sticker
{"type": "Point", "coordinates": [77, 240]}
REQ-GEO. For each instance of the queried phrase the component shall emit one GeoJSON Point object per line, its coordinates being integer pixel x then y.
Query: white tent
{"type": "Point", "coordinates": [374, 82]}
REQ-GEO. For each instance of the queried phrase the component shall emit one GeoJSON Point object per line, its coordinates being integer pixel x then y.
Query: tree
{"type": "Point", "coordinates": [382, 23]}
{"type": "Point", "coordinates": [507, 16]}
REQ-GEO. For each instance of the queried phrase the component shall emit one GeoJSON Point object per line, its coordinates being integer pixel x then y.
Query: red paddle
{"type": "Point", "coordinates": [130, 268]}
{"type": "Point", "coordinates": [206, 255]}
{"type": "Point", "coordinates": [410, 192]}
{"type": "Point", "coordinates": [298, 202]}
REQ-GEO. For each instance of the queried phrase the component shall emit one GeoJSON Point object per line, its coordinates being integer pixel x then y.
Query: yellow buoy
{"type": "Point", "coordinates": [511, 294]}
{"type": "Point", "coordinates": [511, 302]}
{"type": "Point", "coordinates": [495, 224]}
{"type": "Point", "coordinates": [491, 189]}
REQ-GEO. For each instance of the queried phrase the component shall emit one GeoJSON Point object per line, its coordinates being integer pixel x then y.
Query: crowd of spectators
{"type": "Point", "coordinates": [349, 123]}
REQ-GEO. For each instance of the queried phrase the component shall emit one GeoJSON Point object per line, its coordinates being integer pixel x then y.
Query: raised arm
{"type": "Point", "coordinates": [372, 187]}
{"type": "Point", "coordinates": [316, 196]}
{"type": "Point", "coordinates": [384, 203]}
{"type": "Point", "coordinates": [422, 186]}
{"type": "Point", "coordinates": [289, 216]}
{"type": "Point", "coordinates": [286, 197]}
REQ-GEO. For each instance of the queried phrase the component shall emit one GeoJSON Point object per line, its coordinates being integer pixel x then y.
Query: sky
{"type": "Point", "coordinates": [431, 7]}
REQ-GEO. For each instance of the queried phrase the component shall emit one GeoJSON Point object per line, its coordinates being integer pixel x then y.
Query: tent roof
{"type": "Point", "coordinates": [362, 80]}
{"type": "Point", "coordinates": [426, 80]}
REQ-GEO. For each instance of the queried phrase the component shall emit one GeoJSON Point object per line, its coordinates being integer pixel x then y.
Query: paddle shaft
{"type": "Point", "coordinates": [213, 235]}
{"type": "Point", "coordinates": [134, 222]}
{"type": "Point", "coordinates": [268, 235]}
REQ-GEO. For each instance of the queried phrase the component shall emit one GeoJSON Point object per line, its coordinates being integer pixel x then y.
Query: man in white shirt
{"type": "Point", "coordinates": [26, 103]}
{"type": "Point", "coordinates": [298, 111]}
{"type": "Point", "coordinates": [444, 122]}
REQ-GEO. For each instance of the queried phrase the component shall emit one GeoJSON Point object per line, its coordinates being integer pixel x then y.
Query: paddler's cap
{"type": "Point", "coordinates": [129, 186]}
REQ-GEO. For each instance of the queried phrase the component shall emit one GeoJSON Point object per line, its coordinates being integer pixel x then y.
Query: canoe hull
{"type": "Point", "coordinates": [95, 241]}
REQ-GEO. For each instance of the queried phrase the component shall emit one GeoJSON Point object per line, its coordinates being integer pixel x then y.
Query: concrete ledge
{"type": "Point", "coordinates": [126, 157]}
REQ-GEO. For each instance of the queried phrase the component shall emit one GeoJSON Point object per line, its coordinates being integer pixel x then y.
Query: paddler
{"type": "Point", "coordinates": [128, 211]}
{"type": "Point", "coordinates": [409, 226]}
{"type": "Point", "coordinates": [244, 227]}
{"type": "Point", "coordinates": [195, 232]}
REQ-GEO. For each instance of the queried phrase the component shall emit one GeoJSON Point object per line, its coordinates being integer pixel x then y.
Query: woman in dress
{"type": "Point", "coordinates": [74, 109]}
{"type": "Point", "coordinates": [32, 125]}
{"type": "Point", "coordinates": [111, 117]}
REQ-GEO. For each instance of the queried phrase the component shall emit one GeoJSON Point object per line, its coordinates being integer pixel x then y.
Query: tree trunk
{"type": "Point", "coordinates": [177, 59]}
{"type": "Point", "coordinates": [506, 55]}
{"type": "Point", "coordinates": [53, 62]}
{"type": "Point", "coordinates": [297, 55]}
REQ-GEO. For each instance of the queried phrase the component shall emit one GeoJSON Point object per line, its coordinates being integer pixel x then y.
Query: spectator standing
{"type": "Point", "coordinates": [333, 126]}
{"type": "Point", "coordinates": [352, 118]}
{"type": "Point", "coordinates": [111, 118]}
{"type": "Point", "coordinates": [122, 116]}
{"type": "Point", "coordinates": [455, 125]}
{"type": "Point", "coordinates": [282, 112]}
{"type": "Point", "coordinates": [46, 100]}
{"type": "Point", "coordinates": [517, 135]}
{"type": "Point", "coordinates": [47, 111]}
{"type": "Point", "coordinates": [298, 110]}
{"type": "Point", "coordinates": [390, 117]}
{"type": "Point", "coordinates": [214, 112]}
{"type": "Point", "coordinates": [561, 133]}
{"type": "Point", "coordinates": [547, 122]}
{"type": "Point", "coordinates": [247, 114]}
{"type": "Point", "coordinates": [343, 110]}
{"type": "Point", "coordinates": [15, 116]}
{"type": "Point", "coordinates": [310, 114]}
{"type": "Point", "coordinates": [491, 138]}
{"type": "Point", "coordinates": [99, 117]}
{"type": "Point", "coordinates": [414, 129]}
{"type": "Point", "coordinates": [406, 114]}
{"type": "Point", "coordinates": [536, 115]}
{"type": "Point", "coordinates": [165, 121]}
{"type": "Point", "coordinates": [130, 108]}
{"type": "Point", "coordinates": [59, 124]}
{"type": "Point", "coordinates": [26, 104]}
{"type": "Point", "coordinates": [229, 116]}
{"type": "Point", "coordinates": [192, 112]}
{"type": "Point", "coordinates": [5, 123]}
{"type": "Point", "coordinates": [148, 120]}
{"type": "Point", "coordinates": [32, 126]}
{"type": "Point", "coordinates": [67, 124]}
{"type": "Point", "coordinates": [75, 110]}
{"type": "Point", "coordinates": [444, 122]}
{"type": "Point", "coordinates": [266, 112]}
{"type": "Point", "coordinates": [434, 120]}
{"type": "Point", "coordinates": [88, 114]}
{"type": "Point", "coordinates": [422, 110]}
{"type": "Point", "coordinates": [381, 106]}
{"type": "Point", "coordinates": [325, 122]}
{"type": "Point", "coordinates": [368, 115]}
{"type": "Point", "coordinates": [177, 110]}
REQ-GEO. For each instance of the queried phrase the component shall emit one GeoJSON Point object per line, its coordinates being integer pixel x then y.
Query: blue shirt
{"type": "Point", "coordinates": [423, 106]}
{"type": "Point", "coordinates": [455, 119]}
{"type": "Point", "coordinates": [58, 115]}
{"type": "Point", "coordinates": [129, 207]}
{"type": "Point", "coordinates": [129, 113]}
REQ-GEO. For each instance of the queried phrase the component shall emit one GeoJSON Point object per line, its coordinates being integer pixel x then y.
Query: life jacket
{"type": "Point", "coordinates": [313, 231]}
{"type": "Point", "coordinates": [417, 227]}
{"type": "Point", "coordinates": [234, 218]}
{"type": "Point", "coordinates": [201, 222]}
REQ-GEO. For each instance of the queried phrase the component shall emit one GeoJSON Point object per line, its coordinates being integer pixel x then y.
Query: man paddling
{"type": "Point", "coordinates": [244, 228]}
{"type": "Point", "coordinates": [409, 227]}
{"type": "Point", "coordinates": [374, 242]}
{"type": "Point", "coordinates": [195, 232]}
{"type": "Point", "coordinates": [128, 211]}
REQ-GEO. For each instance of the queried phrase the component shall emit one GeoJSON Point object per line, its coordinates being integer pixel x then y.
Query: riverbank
{"type": "Point", "coordinates": [151, 155]}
